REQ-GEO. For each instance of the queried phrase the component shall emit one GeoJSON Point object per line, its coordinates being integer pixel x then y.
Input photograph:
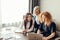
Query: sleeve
{"type": "Point", "coordinates": [41, 26]}
{"type": "Point", "coordinates": [29, 30]}
{"type": "Point", "coordinates": [22, 25]}
{"type": "Point", "coordinates": [53, 28]}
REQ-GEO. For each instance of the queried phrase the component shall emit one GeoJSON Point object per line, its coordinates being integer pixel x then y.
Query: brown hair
{"type": "Point", "coordinates": [25, 21]}
{"type": "Point", "coordinates": [47, 16]}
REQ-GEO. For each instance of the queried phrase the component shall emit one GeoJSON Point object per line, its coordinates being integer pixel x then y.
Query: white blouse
{"type": "Point", "coordinates": [27, 26]}
{"type": "Point", "coordinates": [36, 18]}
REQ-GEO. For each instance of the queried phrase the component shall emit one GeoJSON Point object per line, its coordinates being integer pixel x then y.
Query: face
{"type": "Point", "coordinates": [29, 18]}
{"type": "Point", "coordinates": [43, 18]}
{"type": "Point", "coordinates": [37, 11]}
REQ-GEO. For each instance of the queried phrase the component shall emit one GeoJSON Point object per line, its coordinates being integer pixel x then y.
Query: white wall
{"type": "Point", "coordinates": [0, 17]}
{"type": "Point", "coordinates": [52, 6]}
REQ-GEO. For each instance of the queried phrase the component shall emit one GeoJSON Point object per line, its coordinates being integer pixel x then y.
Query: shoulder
{"type": "Point", "coordinates": [53, 23]}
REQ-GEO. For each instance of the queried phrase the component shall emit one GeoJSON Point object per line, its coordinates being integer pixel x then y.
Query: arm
{"type": "Point", "coordinates": [51, 36]}
{"type": "Point", "coordinates": [30, 28]}
{"type": "Point", "coordinates": [53, 31]}
{"type": "Point", "coordinates": [38, 32]}
{"type": "Point", "coordinates": [40, 28]}
{"type": "Point", "coordinates": [21, 25]}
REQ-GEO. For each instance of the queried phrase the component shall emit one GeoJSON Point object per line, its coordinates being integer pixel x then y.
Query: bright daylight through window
{"type": "Point", "coordinates": [13, 10]}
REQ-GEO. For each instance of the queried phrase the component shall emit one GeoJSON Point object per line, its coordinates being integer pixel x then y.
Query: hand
{"type": "Point", "coordinates": [38, 32]}
{"type": "Point", "coordinates": [45, 38]}
{"type": "Point", "coordinates": [24, 31]}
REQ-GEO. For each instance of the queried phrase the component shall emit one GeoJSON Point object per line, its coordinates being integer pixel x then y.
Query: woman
{"type": "Point", "coordinates": [28, 23]}
{"type": "Point", "coordinates": [36, 12]}
{"type": "Point", "coordinates": [47, 26]}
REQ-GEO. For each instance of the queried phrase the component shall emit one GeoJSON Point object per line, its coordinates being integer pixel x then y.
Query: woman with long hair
{"type": "Point", "coordinates": [28, 23]}
{"type": "Point", "coordinates": [36, 12]}
{"type": "Point", "coordinates": [47, 27]}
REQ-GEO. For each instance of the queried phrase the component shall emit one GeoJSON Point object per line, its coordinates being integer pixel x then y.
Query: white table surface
{"type": "Point", "coordinates": [8, 33]}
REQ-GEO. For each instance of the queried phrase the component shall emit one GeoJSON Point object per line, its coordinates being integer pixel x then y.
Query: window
{"type": "Point", "coordinates": [13, 10]}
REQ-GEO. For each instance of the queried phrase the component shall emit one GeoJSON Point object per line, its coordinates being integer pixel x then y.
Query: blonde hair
{"type": "Point", "coordinates": [47, 16]}
{"type": "Point", "coordinates": [36, 7]}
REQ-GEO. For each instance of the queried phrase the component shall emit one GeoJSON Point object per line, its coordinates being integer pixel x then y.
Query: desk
{"type": "Point", "coordinates": [15, 36]}
{"type": "Point", "coordinates": [9, 33]}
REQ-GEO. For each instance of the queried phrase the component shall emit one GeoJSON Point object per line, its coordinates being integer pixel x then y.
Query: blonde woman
{"type": "Point", "coordinates": [36, 12]}
{"type": "Point", "coordinates": [47, 26]}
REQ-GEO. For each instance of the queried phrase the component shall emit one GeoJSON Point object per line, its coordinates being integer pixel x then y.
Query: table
{"type": "Point", "coordinates": [9, 33]}
{"type": "Point", "coordinates": [15, 36]}
{"type": "Point", "coordinates": [22, 37]}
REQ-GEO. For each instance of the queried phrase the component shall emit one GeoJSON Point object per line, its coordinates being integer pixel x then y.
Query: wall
{"type": "Point", "coordinates": [0, 17]}
{"type": "Point", "coordinates": [52, 6]}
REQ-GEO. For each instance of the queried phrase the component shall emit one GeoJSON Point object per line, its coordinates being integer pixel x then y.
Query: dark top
{"type": "Point", "coordinates": [36, 27]}
{"type": "Point", "coordinates": [47, 30]}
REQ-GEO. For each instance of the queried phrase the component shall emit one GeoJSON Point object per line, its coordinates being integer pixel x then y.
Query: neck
{"type": "Point", "coordinates": [47, 23]}
{"type": "Point", "coordinates": [37, 14]}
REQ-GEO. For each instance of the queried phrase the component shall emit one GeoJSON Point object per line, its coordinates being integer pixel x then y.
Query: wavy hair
{"type": "Point", "coordinates": [47, 16]}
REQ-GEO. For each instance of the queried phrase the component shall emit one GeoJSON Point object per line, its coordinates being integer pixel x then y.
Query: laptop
{"type": "Point", "coordinates": [34, 36]}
